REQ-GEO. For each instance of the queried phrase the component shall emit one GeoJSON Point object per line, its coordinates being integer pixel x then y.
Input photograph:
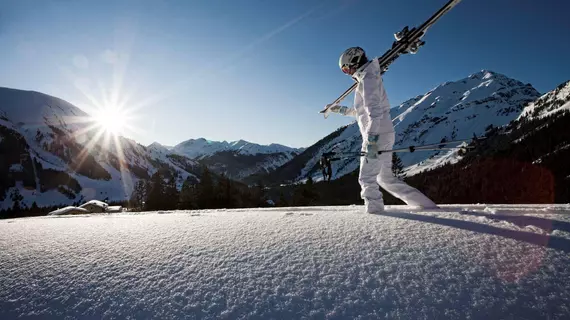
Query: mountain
{"type": "Point", "coordinates": [52, 153]}
{"type": "Point", "coordinates": [238, 166]}
{"type": "Point", "coordinates": [551, 103]}
{"type": "Point", "coordinates": [452, 110]}
{"type": "Point", "coordinates": [198, 148]}
{"type": "Point", "coordinates": [236, 159]}
{"type": "Point", "coordinates": [525, 161]}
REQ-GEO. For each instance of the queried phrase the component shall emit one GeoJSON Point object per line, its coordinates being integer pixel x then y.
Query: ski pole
{"type": "Point", "coordinates": [347, 155]}
{"type": "Point", "coordinates": [425, 147]}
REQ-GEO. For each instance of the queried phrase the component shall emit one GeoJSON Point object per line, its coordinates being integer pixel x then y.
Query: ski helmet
{"type": "Point", "coordinates": [353, 57]}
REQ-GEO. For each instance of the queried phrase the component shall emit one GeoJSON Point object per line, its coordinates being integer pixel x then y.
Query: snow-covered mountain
{"type": "Point", "coordinates": [198, 148]}
{"type": "Point", "coordinates": [460, 109]}
{"type": "Point", "coordinates": [51, 156]}
{"type": "Point", "coordinates": [452, 110]}
{"type": "Point", "coordinates": [551, 104]}
{"type": "Point", "coordinates": [525, 161]}
{"type": "Point", "coordinates": [236, 159]}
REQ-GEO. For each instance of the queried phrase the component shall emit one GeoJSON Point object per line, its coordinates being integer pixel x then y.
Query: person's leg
{"type": "Point", "coordinates": [393, 184]}
{"type": "Point", "coordinates": [370, 191]}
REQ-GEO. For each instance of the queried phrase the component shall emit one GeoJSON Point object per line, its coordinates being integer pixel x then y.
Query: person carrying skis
{"type": "Point", "coordinates": [372, 111]}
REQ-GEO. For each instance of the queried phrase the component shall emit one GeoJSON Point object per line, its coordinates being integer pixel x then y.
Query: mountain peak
{"type": "Point", "coordinates": [239, 143]}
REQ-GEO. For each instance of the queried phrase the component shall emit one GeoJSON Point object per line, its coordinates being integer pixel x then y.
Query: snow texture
{"type": "Point", "coordinates": [460, 262]}
{"type": "Point", "coordinates": [97, 203]}
{"type": "Point", "coordinates": [69, 210]}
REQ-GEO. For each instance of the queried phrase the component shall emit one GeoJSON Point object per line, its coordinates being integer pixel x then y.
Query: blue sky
{"type": "Point", "coordinates": [261, 70]}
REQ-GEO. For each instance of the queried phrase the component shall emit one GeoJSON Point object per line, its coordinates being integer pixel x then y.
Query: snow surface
{"type": "Point", "coordinates": [460, 262]}
{"type": "Point", "coordinates": [69, 210]}
{"type": "Point", "coordinates": [97, 203]}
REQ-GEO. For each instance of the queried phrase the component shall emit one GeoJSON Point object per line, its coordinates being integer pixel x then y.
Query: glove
{"type": "Point", "coordinates": [372, 147]}
{"type": "Point", "coordinates": [338, 109]}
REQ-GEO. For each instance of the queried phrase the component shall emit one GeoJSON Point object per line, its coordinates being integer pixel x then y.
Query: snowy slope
{"type": "Point", "coordinates": [453, 110]}
{"type": "Point", "coordinates": [63, 162]}
{"type": "Point", "coordinates": [552, 102]}
{"type": "Point", "coordinates": [500, 262]}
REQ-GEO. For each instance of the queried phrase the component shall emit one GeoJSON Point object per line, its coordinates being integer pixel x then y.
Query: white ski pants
{"type": "Point", "coordinates": [374, 172]}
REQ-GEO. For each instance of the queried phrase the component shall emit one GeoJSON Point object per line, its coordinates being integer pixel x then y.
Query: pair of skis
{"type": "Point", "coordinates": [407, 41]}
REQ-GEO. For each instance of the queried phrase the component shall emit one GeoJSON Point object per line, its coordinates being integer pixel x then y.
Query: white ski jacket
{"type": "Point", "coordinates": [371, 106]}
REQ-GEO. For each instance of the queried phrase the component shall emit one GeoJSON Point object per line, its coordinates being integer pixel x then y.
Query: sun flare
{"type": "Point", "coordinates": [111, 119]}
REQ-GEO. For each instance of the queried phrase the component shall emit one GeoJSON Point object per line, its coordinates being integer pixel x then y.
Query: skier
{"type": "Point", "coordinates": [372, 111]}
{"type": "Point", "coordinates": [326, 168]}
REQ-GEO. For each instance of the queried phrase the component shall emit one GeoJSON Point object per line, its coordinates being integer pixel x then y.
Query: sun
{"type": "Point", "coordinates": [111, 119]}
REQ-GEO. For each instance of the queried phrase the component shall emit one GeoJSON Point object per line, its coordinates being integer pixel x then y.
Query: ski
{"type": "Point", "coordinates": [407, 41]}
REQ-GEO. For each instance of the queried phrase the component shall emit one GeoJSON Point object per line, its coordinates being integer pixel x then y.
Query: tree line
{"type": "Point", "coordinates": [211, 192]}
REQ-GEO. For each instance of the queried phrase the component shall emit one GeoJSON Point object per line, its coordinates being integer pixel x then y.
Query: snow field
{"type": "Point", "coordinates": [460, 262]}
